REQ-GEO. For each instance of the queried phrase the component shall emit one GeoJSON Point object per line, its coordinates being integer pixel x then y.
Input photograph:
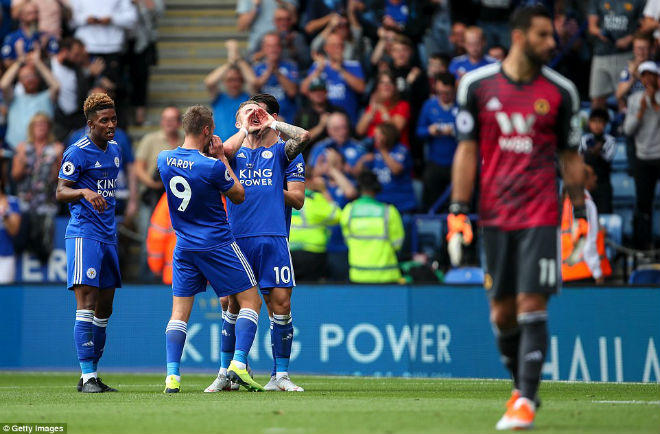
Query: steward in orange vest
{"type": "Point", "coordinates": [583, 248]}
{"type": "Point", "coordinates": [161, 240]}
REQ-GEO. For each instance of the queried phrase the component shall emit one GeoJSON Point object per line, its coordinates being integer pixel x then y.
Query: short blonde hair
{"type": "Point", "coordinates": [41, 116]}
{"type": "Point", "coordinates": [96, 102]}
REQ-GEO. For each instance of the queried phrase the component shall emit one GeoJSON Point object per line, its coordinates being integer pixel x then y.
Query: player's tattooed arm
{"type": "Point", "coordinates": [298, 139]}
{"type": "Point", "coordinates": [66, 193]}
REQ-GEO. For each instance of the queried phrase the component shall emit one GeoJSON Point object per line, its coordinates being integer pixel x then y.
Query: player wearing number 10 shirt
{"type": "Point", "coordinates": [260, 159]}
{"type": "Point", "coordinates": [516, 118]}
{"type": "Point", "coordinates": [205, 248]}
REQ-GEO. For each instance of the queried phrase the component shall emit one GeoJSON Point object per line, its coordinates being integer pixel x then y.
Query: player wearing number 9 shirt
{"type": "Point", "coordinates": [205, 249]}
{"type": "Point", "coordinates": [515, 118]}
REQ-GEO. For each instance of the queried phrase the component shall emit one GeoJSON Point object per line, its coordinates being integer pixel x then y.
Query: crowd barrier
{"type": "Point", "coordinates": [597, 334]}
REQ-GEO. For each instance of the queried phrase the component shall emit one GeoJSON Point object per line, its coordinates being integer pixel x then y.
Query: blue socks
{"type": "Point", "coordinates": [98, 328]}
{"type": "Point", "coordinates": [228, 339]}
{"type": "Point", "coordinates": [175, 340]}
{"type": "Point", "coordinates": [281, 338]}
{"type": "Point", "coordinates": [83, 336]}
{"type": "Point", "coordinates": [246, 329]}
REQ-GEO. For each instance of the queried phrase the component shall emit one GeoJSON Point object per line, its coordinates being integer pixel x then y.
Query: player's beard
{"type": "Point", "coordinates": [535, 58]}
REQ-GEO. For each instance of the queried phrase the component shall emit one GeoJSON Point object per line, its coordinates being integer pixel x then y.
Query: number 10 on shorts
{"type": "Point", "coordinates": [282, 274]}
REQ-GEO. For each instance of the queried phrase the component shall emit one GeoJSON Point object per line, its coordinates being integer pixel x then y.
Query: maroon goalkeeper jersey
{"type": "Point", "coordinates": [519, 127]}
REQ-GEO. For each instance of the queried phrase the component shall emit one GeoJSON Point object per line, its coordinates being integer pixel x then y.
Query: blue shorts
{"type": "Point", "coordinates": [91, 262]}
{"type": "Point", "coordinates": [270, 259]}
{"type": "Point", "coordinates": [224, 267]}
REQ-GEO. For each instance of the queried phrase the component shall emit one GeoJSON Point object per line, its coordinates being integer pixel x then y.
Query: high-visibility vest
{"type": "Point", "coordinates": [579, 270]}
{"type": "Point", "coordinates": [373, 232]}
{"type": "Point", "coordinates": [161, 241]}
{"type": "Point", "coordinates": [309, 225]}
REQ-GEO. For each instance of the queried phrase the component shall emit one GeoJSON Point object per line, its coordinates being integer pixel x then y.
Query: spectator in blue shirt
{"type": "Point", "coordinates": [344, 78]}
{"type": "Point", "coordinates": [277, 76]}
{"type": "Point", "coordinates": [339, 139]}
{"type": "Point", "coordinates": [437, 126]}
{"type": "Point", "coordinates": [320, 12]}
{"type": "Point", "coordinates": [396, 13]}
{"type": "Point", "coordinates": [28, 34]}
{"type": "Point", "coordinates": [235, 75]}
{"type": "Point", "coordinates": [10, 222]}
{"type": "Point", "coordinates": [475, 44]}
{"type": "Point", "coordinates": [392, 163]}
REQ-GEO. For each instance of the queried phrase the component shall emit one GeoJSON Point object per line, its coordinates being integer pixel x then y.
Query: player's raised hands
{"type": "Point", "coordinates": [259, 120]}
{"type": "Point", "coordinates": [97, 201]}
{"type": "Point", "coordinates": [216, 150]}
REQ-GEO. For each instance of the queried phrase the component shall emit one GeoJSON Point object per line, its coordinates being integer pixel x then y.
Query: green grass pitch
{"type": "Point", "coordinates": [329, 405]}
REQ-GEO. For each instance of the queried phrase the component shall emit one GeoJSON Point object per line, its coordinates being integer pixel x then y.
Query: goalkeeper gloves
{"type": "Point", "coordinates": [460, 231]}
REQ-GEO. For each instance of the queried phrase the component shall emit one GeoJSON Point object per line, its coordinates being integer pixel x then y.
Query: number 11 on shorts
{"type": "Point", "coordinates": [548, 272]}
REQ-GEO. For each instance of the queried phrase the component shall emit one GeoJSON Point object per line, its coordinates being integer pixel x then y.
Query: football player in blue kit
{"type": "Point", "coordinates": [206, 249]}
{"type": "Point", "coordinates": [87, 182]}
{"type": "Point", "coordinates": [294, 197]}
{"type": "Point", "coordinates": [260, 159]}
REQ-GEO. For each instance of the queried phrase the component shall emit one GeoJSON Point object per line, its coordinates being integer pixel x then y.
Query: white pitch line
{"type": "Point", "coordinates": [628, 402]}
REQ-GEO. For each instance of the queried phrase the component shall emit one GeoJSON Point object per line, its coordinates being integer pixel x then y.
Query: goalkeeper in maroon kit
{"type": "Point", "coordinates": [516, 118]}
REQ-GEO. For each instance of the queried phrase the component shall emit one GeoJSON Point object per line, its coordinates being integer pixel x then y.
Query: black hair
{"type": "Point", "coordinates": [272, 106]}
{"type": "Point", "coordinates": [501, 47]}
{"type": "Point", "coordinates": [523, 16]}
{"type": "Point", "coordinates": [445, 78]}
{"type": "Point", "coordinates": [68, 43]}
{"type": "Point", "coordinates": [600, 113]}
{"type": "Point", "coordinates": [443, 57]}
{"type": "Point", "coordinates": [368, 182]}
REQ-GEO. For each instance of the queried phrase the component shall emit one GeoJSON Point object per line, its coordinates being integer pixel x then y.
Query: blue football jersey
{"type": "Point", "coordinates": [262, 173]}
{"type": "Point", "coordinates": [461, 65]}
{"type": "Point", "coordinates": [273, 87]}
{"type": "Point", "coordinates": [295, 172]}
{"type": "Point", "coordinates": [193, 183]}
{"type": "Point", "coordinates": [396, 189]}
{"type": "Point", "coordinates": [93, 168]}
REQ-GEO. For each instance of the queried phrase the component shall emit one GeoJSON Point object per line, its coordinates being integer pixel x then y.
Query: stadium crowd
{"type": "Point", "coordinates": [373, 81]}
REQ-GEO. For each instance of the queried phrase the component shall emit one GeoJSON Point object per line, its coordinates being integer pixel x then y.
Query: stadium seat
{"type": "Point", "coordinates": [613, 225]}
{"type": "Point", "coordinates": [620, 161]}
{"type": "Point", "coordinates": [465, 275]}
{"type": "Point", "coordinates": [427, 234]}
{"type": "Point", "coordinates": [623, 187]}
{"type": "Point", "coordinates": [646, 275]}
{"type": "Point", "coordinates": [626, 212]}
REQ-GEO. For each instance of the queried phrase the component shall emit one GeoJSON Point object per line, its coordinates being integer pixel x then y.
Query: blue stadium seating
{"type": "Point", "coordinates": [465, 275]}
{"type": "Point", "coordinates": [623, 187]}
{"type": "Point", "coordinates": [620, 161]}
{"type": "Point", "coordinates": [613, 225]}
{"type": "Point", "coordinates": [627, 215]}
{"type": "Point", "coordinates": [648, 275]}
{"type": "Point", "coordinates": [427, 235]}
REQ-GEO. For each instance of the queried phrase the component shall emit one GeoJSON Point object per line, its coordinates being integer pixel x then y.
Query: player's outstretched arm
{"type": "Point", "coordinates": [66, 193]}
